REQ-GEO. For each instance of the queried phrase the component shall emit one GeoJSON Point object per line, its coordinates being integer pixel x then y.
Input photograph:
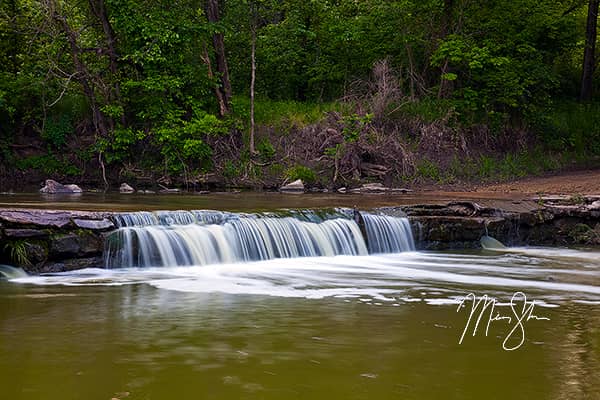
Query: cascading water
{"type": "Point", "coordinates": [386, 234]}
{"type": "Point", "coordinates": [183, 238]}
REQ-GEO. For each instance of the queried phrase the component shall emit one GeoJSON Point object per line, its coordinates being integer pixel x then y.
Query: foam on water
{"type": "Point", "coordinates": [438, 278]}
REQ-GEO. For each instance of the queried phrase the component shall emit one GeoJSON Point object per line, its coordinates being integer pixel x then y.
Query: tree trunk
{"type": "Point", "coordinates": [446, 86]}
{"type": "Point", "coordinates": [589, 52]}
{"type": "Point", "coordinates": [211, 76]}
{"type": "Point", "coordinates": [83, 75]}
{"type": "Point", "coordinates": [212, 13]}
{"type": "Point", "coordinates": [252, 81]}
{"type": "Point", "coordinates": [98, 8]}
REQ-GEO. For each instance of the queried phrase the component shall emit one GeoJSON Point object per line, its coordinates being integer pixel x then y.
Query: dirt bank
{"type": "Point", "coordinates": [569, 183]}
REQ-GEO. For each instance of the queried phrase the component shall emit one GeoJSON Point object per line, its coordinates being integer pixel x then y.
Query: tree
{"type": "Point", "coordinates": [214, 17]}
{"type": "Point", "coordinates": [589, 53]}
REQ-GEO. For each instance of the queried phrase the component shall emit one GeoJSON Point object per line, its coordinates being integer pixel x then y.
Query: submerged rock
{"type": "Point", "coordinates": [296, 186]}
{"type": "Point", "coordinates": [53, 187]}
{"type": "Point", "coordinates": [125, 188]}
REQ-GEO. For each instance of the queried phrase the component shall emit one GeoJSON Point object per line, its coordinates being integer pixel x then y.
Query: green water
{"type": "Point", "coordinates": [152, 334]}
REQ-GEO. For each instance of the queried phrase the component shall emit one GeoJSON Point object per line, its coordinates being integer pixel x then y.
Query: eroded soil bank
{"type": "Point", "coordinates": [41, 240]}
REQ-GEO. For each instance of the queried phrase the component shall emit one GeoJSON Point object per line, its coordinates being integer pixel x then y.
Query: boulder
{"type": "Point", "coordinates": [71, 244]}
{"type": "Point", "coordinates": [295, 187]}
{"type": "Point", "coordinates": [53, 187]}
{"type": "Point", "coordinates": [125, 188]}
{"type": "Point", "coordinates": [74, 188]}
{"type": "Point", "coordinates": [64, 245]}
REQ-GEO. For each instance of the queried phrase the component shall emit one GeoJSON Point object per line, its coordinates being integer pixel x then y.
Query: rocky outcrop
{"type": "Point", "coordinates": [53, 241]}
{"type": "Point", "coordinates": [459, 225]}
{"type": "Point", "coordinates": [53, 187]}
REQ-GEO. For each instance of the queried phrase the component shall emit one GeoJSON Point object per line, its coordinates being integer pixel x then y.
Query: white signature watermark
{"type": "Point", "coordinates": [486, 310]}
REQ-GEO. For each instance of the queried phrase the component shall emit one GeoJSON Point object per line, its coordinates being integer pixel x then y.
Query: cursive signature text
{"type": "Point", "coordinates": [486, 310]}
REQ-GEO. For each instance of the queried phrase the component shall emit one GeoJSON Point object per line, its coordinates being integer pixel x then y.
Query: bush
{"type": "Point", "coordinates": [306, 174]}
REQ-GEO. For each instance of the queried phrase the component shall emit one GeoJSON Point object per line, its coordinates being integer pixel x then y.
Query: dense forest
{"type": "Point", "coordinates": [252, 93]}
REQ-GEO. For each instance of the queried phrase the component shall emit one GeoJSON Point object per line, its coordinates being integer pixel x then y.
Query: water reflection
{"type": "Point", "coordinates": [125, 336]}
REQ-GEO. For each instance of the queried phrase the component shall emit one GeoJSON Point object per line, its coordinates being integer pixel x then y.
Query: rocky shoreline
{"type": "Point", "coordinates": [42, 241]}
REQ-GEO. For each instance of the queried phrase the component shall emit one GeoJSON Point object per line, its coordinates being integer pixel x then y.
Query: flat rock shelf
{"type": "Point", "coordinates": [42, 241]}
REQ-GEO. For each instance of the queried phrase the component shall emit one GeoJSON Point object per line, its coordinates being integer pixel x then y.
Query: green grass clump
{"type": "Point", "coordinates": [285, 113]}
{"type": "Point", "coordinates": [306, 174]}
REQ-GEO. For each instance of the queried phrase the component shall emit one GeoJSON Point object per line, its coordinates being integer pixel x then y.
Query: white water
{"type": "Point", "coordinates": [183, 238]}
{"type": "Point", "coordinates": [436, 278]}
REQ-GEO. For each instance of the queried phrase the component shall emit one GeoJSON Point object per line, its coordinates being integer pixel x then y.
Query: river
{"type": "Point", "coordinates": [365, 326]}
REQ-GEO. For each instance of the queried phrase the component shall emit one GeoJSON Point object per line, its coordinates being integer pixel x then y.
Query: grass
{"type": "Point", "coordinates": [489, 168]}
{"type": "Point", "coordinates": [285, 112]}
{"type": "Point", "coordinates": [571, 126]}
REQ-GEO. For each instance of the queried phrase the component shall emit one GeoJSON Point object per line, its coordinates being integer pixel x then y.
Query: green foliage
{"type": "Point", "coordinates": [428, 170]}
{"type": "Point", "coordinates": [231, 170]}
{"type": "Point", "coordinates": [503, 64]}
{"type": "Point", "coordinates": [570, 126]}
{"type": "Point", "coordinates": [302, 172]}
{"type": "Point", "coordinates": [57, 129]}
{"type": "Point", "coordinates": [282, 114]}
{"type": "Point", "coordinates": [17, 252]}
{"type": "Point", "coordinates": [354, 124]}
{"type": "Point", "coordinates": [266, 150]}
{"type": "Point", "coordinates": [48, 164]}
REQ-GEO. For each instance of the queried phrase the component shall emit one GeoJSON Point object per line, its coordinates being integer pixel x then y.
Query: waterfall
{"type": "Point", "coordinates": [386, 234]}
{"type": "Point", "coordinates": [185, 238]}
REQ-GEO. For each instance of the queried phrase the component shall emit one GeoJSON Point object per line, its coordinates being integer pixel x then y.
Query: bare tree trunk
{"type": "Point", "coordinates": [252, 81]}
{"type": "Point", "coordinates": [212, 13]}
{"type": "Point", "coordinates": [98, 9]}
{"type": "Point", "coordinates": [211, 76]}
{"type": "Point", "coordinates": [589, 52]}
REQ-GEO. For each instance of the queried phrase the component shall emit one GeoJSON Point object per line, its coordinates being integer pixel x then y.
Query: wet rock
{"type": "Point", "coordinates": [125, 188]}
{"type": "Point", "coordinates": [64, 245]}
{"type": "Point", "coordinates": [595, 206]}
{"type": "Point", "coordinates": [53, 187]}
{"type": "Point", "coordinates": [73, 244]}
{"type": "Point", "coordinates": [56, 219]}
{"type": "Point", "coordinates": [37, 254]}
{"type": "Point", "coordinates": [72, 264]}
{"type": "Point", "coordinates": [24, 233]}
{"type": "Point", "coordinates": [74, 188]}
{"type": "Point", "coordinates": [96, 225]}
{"type": "Point", "coordinates": [295, 187]}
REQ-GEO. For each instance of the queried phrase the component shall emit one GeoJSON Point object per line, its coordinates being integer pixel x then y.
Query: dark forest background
{"type": "Point", "coordinates": [253, 93]}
